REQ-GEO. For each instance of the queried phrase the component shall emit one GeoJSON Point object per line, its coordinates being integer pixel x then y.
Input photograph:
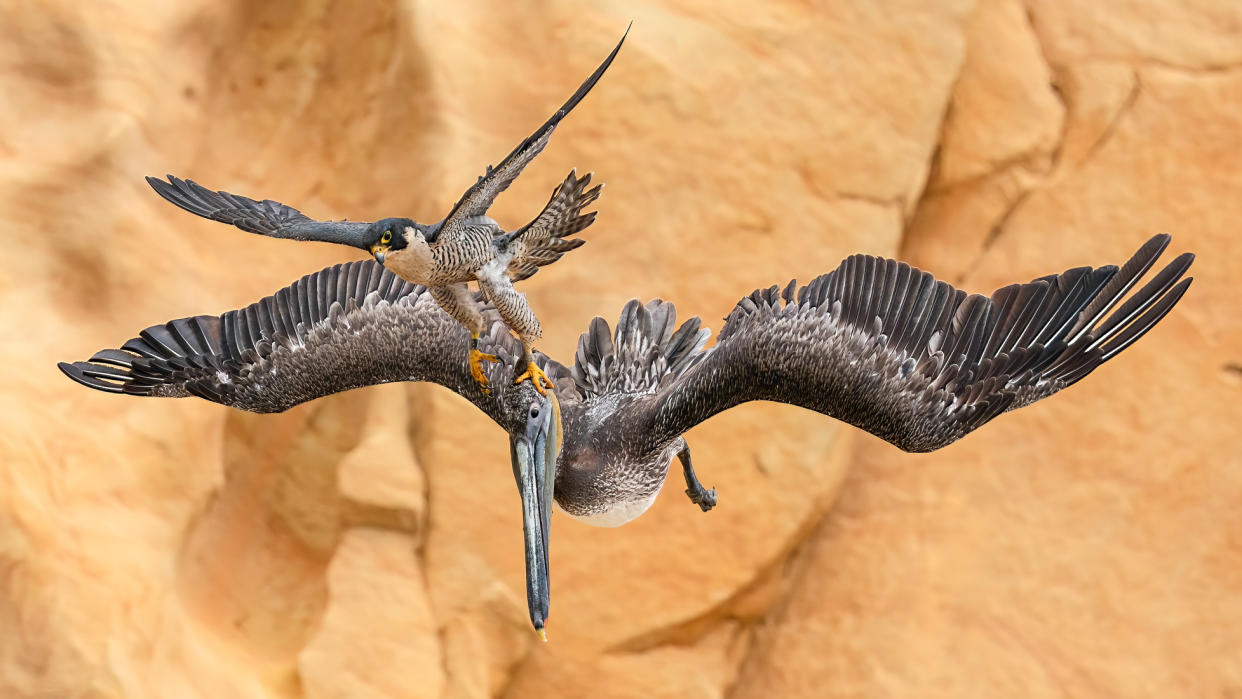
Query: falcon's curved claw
{"type": "Point", "coordinates": [536, 376]}
{"type": "Point", "coordinates": [476, 360]}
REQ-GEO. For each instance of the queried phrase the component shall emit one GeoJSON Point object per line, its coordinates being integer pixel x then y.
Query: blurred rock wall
{"type": "Point", "coordinates": [367, 545]}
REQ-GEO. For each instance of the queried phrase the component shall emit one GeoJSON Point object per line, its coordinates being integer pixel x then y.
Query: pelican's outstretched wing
{"type": "Point", "coordinates": [889, 349]}
{"type": "Point", "coordinates": [344, 327]}
{"type": "Point", "coordinates": [267, 217]}
{"type": "Point", "coordinates": [478, 199]}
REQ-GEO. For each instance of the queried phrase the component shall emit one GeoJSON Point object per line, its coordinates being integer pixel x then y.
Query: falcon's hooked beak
{"type": "Point", "coordinates": [379, 251]}
{"type": "Point", "coordinates": [534, 457]}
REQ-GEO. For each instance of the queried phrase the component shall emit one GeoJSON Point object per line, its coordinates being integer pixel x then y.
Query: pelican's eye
{"type": "Point", "coordinates": [386, 238]}
{"type": "Point", "coordinates": [534, 411]}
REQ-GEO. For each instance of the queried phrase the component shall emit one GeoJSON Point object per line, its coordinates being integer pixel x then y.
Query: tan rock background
{"type": "Point", "coordinates": [367, 544]}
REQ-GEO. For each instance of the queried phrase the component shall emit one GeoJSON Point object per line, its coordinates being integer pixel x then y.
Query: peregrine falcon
{"type": "Point", "coordinates": [467, 245]}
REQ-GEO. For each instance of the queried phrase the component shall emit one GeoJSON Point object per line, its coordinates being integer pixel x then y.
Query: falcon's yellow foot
{"type": "Point", "coordinates": [536, 376]}
{"type": "Point", "coordinates": [476, 368]}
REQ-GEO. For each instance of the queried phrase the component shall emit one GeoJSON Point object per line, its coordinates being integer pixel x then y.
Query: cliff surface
{"type": "Point", "coordinates": [368, 544]}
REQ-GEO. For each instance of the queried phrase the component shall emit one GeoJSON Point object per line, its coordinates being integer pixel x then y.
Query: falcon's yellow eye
{"type": "Point", "coordinates": [386, 238]}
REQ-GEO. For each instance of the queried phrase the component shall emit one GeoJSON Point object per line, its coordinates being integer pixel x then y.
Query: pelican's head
{"type": "Point", "coordinates": [534, 444]}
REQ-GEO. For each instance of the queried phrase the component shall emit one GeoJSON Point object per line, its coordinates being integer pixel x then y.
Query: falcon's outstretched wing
{"type": "Point", "coordinates": [267, 217]}
{"type": "Point", "coordinates": [889, 349]}
{"type": "Point", "coordinates": [344, 327]}
{"type": "Point", "coordinates": [478, 199]}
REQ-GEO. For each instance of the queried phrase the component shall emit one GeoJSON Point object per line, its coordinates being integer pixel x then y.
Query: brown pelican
{"type": "Point", "coordinates": [875, 343]}
{"type": "Point", "coordinates": [466, 246]}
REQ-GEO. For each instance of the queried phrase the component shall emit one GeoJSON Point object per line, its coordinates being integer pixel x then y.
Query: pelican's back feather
{"type": "Point", "coordinates": [644, 353]}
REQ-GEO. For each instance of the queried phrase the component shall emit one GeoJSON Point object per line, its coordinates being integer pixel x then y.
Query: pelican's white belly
{"type": "Point", "coordinates": [625, 490]}
{"type": "Point", "coordinates": [617, 513]}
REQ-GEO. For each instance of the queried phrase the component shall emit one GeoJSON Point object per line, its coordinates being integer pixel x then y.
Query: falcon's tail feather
{"type": "Point", "coordinates": [545, 239]}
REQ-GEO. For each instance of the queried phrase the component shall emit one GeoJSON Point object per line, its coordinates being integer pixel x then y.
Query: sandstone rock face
{"type": "Point", "coordinates": [369, 544]}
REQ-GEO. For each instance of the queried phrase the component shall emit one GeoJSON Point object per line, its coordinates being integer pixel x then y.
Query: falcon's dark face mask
{"type": "Point", "coordinates": [388, 236]}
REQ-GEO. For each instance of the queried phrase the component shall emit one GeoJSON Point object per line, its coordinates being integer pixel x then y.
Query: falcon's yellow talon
{"type": "Point", "coordinates": [536, 377]}
{"type": "Point", "coordinates": [476, 360]}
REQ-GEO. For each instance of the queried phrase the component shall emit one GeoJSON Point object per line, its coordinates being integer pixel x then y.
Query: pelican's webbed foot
{"type": "Point", "coordinates": [705, 498]}
{"type": "Point", "coordinates": [535, 375]}
{"type": "Point", "coordinates": [476, 360]}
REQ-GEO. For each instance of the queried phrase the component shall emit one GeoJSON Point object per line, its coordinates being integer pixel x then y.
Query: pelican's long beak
{"type": "Point", "coordinates": [534, 468]}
